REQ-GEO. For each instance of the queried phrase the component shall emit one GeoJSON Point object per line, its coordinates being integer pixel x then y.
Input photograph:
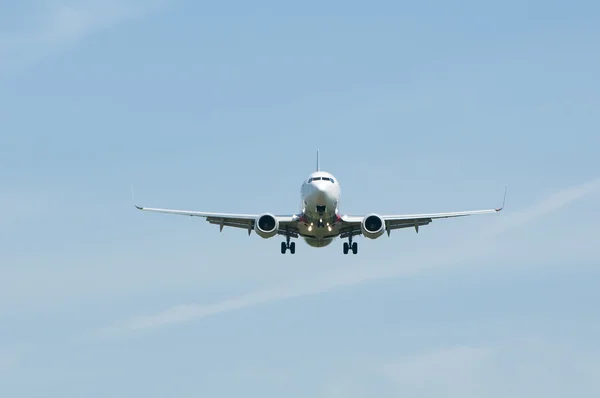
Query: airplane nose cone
{"type": "Point", "coordinates": [320, 193]}
{"type": "Point", "coordinates": [321, 188]}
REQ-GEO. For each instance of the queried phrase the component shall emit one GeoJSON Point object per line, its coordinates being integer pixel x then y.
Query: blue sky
{"type": "Point", "coordinates": [415, 107]}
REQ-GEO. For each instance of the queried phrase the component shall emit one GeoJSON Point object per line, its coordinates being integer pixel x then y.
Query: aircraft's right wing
{"type": "Point", "coordinates": [288, 224]}
{"type": "Point", "coordinates": [245, 221]}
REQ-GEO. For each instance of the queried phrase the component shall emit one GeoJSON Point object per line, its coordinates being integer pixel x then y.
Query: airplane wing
{"type": "Point", "coordinates": [352, 223]}
{"type": "Point", "coordinates": [287, 223]}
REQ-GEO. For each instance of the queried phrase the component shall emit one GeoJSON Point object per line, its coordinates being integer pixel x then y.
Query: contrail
{"type": "Point", "coordinates": [184, 313]}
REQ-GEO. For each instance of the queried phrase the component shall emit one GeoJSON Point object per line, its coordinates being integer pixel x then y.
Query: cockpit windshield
{"type": "Point", "coordinates": [319, 179]}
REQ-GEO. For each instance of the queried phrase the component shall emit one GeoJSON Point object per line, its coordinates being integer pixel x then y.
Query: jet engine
{"type": "Point", "coordinates": [266, 226]}
{"type": "Point", "coordinates": [372, 226]}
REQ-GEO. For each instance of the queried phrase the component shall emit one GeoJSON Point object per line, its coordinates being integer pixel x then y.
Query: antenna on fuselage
{"type": "Point", "coordinates": [318, 166]}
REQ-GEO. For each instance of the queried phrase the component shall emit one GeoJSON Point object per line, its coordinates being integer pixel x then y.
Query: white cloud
{"type": "Point", "coordinates": [316, 285]}
{"type": "Point", "coordinates": [61, 25]}
{"type": "Point", "coordinates": [262, 374]}
{"type": "Point", "coordinates": [345, 387]}
{"type": "Point", "coordinates": [522, 368]}
{"type": "Point", "coordinates": [18, 206]}
{"type": "Point", "coordinates": [6, 363]}
{"type": "Point", "coordinates": [549, 205]}
{"type": "Point", "coordinates": [454, 370]}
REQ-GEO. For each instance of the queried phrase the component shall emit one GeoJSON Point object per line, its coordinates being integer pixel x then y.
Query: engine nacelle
{"type": "Point", "coordinates": [372, 226]}
{"type": "Point", "coordinates": [266, 226]}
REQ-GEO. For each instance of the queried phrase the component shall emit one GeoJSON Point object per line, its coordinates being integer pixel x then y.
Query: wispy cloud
{"type": "Point", "coordinates": [548, 205]}
{"type": "Point", "coordinates": [454, 369]}
{"type": "Point", "coordinates": [520, 368]}
{"type": "Point", "coordinates": [313, 286]}
{"type": "Point", "coordinates": [59, 25]}
{"type": "Point", "coordinates": [22, 205]}
{"type": "Point", "coordinates": [6, 362]}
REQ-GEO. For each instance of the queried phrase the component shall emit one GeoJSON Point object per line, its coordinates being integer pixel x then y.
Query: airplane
{"type": "Point", "coordinates": [319, 221]}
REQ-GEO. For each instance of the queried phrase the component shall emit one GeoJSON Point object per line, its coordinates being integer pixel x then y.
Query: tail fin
{"type": "Point", "coordinates": [318, 165]}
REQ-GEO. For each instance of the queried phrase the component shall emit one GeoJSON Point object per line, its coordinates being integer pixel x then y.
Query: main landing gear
{"type": "Point", "coordinates": [321, 211]}
{"type": "Point", "coordinates": [288, 245]}
{"type": "Point", "coordinates": [349, 244]}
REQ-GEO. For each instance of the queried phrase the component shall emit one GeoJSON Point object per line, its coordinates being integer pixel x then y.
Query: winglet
{"type": "Point", "coordinates": [503, 200]}
{"type": "Point", "coordinates": [318, 165]}
{"type": "Point", "coordinates": [133, 200]}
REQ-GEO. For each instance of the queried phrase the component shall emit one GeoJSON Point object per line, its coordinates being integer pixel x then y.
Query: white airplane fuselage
{"type": "Point", "coordinates": [320, 199]}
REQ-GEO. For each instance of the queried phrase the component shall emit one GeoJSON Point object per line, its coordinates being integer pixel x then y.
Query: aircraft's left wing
{"type": "Point", "coordinates": [390, 222]}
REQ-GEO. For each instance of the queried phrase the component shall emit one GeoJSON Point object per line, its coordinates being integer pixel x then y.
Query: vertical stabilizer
{"type": "Point", "coordinates": [318, 165]}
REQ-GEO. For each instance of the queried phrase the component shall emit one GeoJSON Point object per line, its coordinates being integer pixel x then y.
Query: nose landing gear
{"type": "Point", "coordinates": [321, 210]}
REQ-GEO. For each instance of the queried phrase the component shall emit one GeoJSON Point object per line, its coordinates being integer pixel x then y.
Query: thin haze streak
{"type": "Point", "coordinates": [5, 363]}
{"type": "Point", "coordinates": [184, 313]}
{"type": "Point", "coordinates": [63, 25]}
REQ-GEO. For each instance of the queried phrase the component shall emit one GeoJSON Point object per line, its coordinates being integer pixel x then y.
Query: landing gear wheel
{"type": "Point", "coordinates": [350, 245]}
{"type": "Point", "coordinates": [287, 245]}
